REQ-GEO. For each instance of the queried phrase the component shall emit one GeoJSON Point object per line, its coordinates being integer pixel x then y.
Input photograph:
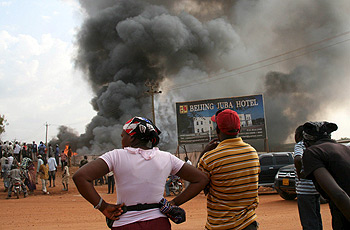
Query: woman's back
{"type": "Point", "coordinates": [141, 180]}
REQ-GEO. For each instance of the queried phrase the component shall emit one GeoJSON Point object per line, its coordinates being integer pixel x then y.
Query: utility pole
{"type": "Point", "coordinates": [153, 89]}
{"type": "Point", "coordinates": [47, 127]}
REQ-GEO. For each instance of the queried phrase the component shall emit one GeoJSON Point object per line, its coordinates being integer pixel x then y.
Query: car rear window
{"type": "Point", "coordinates": [282, 160]}
{"type": "Point", "coordinates": [267, 160]}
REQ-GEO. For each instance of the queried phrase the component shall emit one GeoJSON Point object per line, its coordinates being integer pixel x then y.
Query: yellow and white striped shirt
{"type": "Point", "coordinates": [233, 169]}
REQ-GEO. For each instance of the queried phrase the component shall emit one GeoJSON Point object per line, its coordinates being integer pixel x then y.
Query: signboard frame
{"type": "Point", "coordinates": [194, 125]}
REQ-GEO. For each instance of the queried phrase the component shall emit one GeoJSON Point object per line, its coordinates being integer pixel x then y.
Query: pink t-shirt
{"type": "Point", "coordinates": [140, 177]}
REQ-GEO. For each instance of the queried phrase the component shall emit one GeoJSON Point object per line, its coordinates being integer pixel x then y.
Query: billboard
{"type": "Point", "coordinates": [194, 124]}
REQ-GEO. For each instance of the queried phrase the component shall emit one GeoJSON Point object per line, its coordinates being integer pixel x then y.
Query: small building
{"type": "Point", "coordinates": [246, 119]}
{"type": "Point", "coordinates": [203, 125]}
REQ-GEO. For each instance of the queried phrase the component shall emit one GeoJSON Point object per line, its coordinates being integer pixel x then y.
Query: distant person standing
{"type": "Point", "coordinates": [42, 150]}
{"type": "Point", "coordinates": [34, 151]}
{"type": "Point", "coordinates": [308, 197]}
{"type": "Point", "coordinates": [24, 150]}
{"type": "Point", "coordinates": [16, 151]}
{"type": "Point", "coordinates": [83, 162]}
{"type": "Point", "coordinates": [65, 176]}
{"type": "Point", "coordinates": [5, 147]}
{"type": "Point", "coordinates": [25, 162]}
{"type": "Point", "coordinates": [63, 157]}
{"type": "Point", "coordinates": [50, 151]}
{"type": "Point", "coordinates": [11, 160]}
{"type": "Point", "coordinates": [57, 155]}
{"type": "Point", "coordinates": [111, 182]}
{"type": "Point", "coordinates": [25, 167]}
{"type": "Point", "coordinates": [30, 176]}
{"type": "Point", "coordinates": [69, 154]}
{"type": "Point", "coordinates": [44, 175]}
{"type": "Point", "coordinates": [6, 168]}
{"type": "Point", "coordinates": [40, 162]}
{"type": "Point", "coordinates": [327, 163]}
{"type": "Point", "coordinates": [52, 170]}
{"type": "Point", "coordinates": [3, 162]}
{"type": "Point", "coordinates": [10, 148]}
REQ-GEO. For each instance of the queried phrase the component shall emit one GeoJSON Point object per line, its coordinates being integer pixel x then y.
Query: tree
{"type": "Point", "coordinates": [3, 123]}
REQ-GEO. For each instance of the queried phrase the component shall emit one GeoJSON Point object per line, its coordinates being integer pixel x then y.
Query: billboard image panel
{"type": "Point", "coordinates": [194, 124]}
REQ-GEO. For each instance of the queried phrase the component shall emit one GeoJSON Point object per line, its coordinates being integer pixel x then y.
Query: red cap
{"type": "Point", "coordinates": [227, 121]}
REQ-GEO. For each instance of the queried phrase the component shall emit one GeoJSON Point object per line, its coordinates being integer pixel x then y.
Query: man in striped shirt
{"type": "Point", "coordinates": [233, 169]}
{"type": "Point", "coordinates": [308, 197]}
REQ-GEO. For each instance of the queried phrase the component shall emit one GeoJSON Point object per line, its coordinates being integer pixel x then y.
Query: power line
{"type": "Point", "coordinates": [219, 78]}
{"type": "Point", "coordinates": [214, 77]}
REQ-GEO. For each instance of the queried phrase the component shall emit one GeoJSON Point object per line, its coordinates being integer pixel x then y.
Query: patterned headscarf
{"type": "Point", "coordinates": [314, 131]}
{"type": "Point", "coordinates": [143, 129]}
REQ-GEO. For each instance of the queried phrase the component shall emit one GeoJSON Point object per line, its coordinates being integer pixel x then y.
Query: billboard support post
{"type": "Point", "coordinates": [266, 145]}
{"type": "Point", "coordinates": [266, 140]}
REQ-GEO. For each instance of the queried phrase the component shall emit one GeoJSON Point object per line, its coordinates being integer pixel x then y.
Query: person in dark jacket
{"type": "Point", "coordinates": [327, 163]}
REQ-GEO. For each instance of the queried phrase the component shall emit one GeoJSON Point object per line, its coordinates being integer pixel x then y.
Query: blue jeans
{"type": "Point", "coordinates": [309, 211]}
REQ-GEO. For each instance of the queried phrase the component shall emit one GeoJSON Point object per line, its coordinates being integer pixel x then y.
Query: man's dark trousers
{"type": "Point", "coordinates": [309, 211]}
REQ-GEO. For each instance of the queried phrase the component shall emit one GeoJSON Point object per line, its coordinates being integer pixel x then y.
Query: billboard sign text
{"type": "Point", "coordinates": [194, 124]}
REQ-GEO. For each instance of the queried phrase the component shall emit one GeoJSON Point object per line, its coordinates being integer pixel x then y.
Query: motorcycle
{"type": "Point", "coordinates": [176, 186]}
{"type": "Point", "coordinates": [17, 188]}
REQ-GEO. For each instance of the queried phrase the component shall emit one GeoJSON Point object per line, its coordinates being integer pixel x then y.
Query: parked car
{"type": "Point", "coordinates": [270, 163]}
{"type": "Point", "coordinates": [285, 182]}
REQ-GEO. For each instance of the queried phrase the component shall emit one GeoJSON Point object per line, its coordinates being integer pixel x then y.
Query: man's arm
{"type": "Point", "coordinates": [298, 163]}
{"type": "Point", "coordinates": [210, 146]}
{"type": "Point", "coordinates": [298, 166]}
{"type": "Point", "coordinates": [336, 193]}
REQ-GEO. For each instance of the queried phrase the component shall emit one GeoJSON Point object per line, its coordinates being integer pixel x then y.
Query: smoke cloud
{"type": "Point", "coordinates": [184, 45]}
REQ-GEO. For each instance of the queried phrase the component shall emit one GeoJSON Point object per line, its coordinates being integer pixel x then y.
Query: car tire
{"type": "Point", "coordinates": [286, 196]}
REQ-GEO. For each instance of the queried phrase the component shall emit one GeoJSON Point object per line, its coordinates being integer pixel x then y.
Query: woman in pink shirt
{"type": "Point", "coordinates": [140, 171]}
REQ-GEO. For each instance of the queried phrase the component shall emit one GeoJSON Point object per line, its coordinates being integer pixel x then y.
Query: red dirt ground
{"type": "Point", "coordinates": [68, 210]}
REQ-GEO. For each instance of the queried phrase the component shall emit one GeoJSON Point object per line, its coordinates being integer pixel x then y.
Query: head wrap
{"type": "Point", "coordinates": [314, 131]}
{"type": "Point", "coordinates": [143, 129]}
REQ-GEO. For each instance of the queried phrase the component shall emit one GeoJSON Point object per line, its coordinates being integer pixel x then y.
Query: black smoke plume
{"type": "Point", "coordinates": [123, 44]}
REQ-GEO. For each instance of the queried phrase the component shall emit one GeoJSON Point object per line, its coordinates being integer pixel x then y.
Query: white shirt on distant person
{"type": "Point", "coordinates": [10, 160]}
{"type": "Point", "coordinates": [17, 149]}
{"type": "Point", "coordinates": [52, 164]}
{"type": "Point", "coordinates": [40, 162]}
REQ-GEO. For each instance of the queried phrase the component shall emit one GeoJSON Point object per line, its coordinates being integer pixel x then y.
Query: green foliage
{"type": "Point", "coordinates": [3, 123]}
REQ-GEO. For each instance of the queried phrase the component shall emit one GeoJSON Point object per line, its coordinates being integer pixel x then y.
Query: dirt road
{"type": "Point", "coordinates": [68, 210]}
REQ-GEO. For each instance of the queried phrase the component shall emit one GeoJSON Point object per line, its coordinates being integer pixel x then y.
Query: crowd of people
{"type": "Point", "coordinates": [227, 171]}
{"type": "Point", "coordinates": [26, 163]}
{"type": "Point", "coordinates": [31, 164]}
